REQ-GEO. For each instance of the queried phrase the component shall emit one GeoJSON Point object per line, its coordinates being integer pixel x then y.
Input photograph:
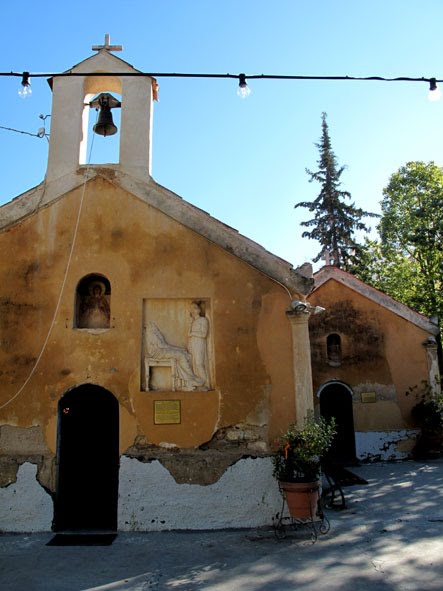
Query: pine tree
{"type": "Point", "coordinates": [335, 221]}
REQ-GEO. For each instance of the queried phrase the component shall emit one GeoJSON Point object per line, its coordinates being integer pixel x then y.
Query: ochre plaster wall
{"type": "Point", "coordinates": [144, 254]}
{"type": "Point", "coordinates": [381, 353]}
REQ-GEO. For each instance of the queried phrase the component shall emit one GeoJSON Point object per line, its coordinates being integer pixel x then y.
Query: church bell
{"type": "Point", "coordinates": [104, 102]}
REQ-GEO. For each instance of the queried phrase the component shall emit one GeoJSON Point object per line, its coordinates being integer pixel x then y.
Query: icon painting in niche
{"type": "Point", "coordinates": [93, 302]}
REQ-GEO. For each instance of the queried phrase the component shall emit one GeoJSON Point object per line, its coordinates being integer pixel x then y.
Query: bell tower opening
{"type": "Point", "coordinates": [103, 128]}
{"type": "Point", "coordinates": [100, 78]}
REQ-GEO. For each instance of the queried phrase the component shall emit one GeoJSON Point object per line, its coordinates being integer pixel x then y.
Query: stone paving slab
{"type": "Point", "coordinates": [390, 538]}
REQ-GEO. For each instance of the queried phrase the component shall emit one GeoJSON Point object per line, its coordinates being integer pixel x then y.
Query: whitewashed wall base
{"type": "Point", "coordinates": [385, 445]}
{"type": "Point", "coordinates": [150, 500]}
{"type": "Point", "coordinates": [25, 506]}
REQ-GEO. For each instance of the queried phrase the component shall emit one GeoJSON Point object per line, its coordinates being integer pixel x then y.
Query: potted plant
{"type": "Point", "coordinates": [297, 464]}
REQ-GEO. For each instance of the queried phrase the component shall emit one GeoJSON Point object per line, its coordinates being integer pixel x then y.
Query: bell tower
{"type": "Point", "coordinates": [72, 95]}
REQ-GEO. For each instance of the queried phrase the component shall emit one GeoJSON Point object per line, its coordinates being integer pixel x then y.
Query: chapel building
{"type": "Point", "coordinates": [372, 360]}
{"type": "Point", "coordinates": [149, 353]}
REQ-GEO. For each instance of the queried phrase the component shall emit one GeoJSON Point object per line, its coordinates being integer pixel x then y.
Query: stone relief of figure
{"type": "Point", "coordinates": [94, 309]}
{"type": "Point", "coordinates": [157, 348]}
{"type": "Point", "coordinates": [197, 345]}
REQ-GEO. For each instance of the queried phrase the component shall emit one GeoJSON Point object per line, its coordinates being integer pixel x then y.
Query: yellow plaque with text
{"type": "Point", "coordinates": [368, 397]}
{"type": "Point", "coordinates": [167, 412]}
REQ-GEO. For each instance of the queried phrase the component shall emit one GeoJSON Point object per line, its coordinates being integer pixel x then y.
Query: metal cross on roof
{"type": "Point", "coordinates": [107, 45]}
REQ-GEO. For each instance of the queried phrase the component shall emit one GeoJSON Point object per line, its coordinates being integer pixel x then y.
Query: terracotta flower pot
{"type": "Point", "coordinates": [302, 498]}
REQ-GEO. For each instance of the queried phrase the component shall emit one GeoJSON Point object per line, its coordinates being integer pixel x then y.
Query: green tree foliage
{"type": "Point", "coordinates": [408, 262]}
{"type": "Point", "coordinates": [387, 270]}
{"type": "Point", "coordinates": [412, 225]}
{"type": "Point", "coordinates": [335, 221]}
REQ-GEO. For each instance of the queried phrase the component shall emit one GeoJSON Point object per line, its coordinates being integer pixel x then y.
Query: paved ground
{"type": "Point", "coordinates": [389, 539]}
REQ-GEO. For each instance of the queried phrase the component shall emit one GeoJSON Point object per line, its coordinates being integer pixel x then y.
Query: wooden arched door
{"type": "Point", "coordinates": [336, 401]}
{"type": "Point", "coordinates": [87, 460]}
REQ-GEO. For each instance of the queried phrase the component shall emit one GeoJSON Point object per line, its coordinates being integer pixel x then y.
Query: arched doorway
{"type": "Point", "coordinates": [87, 460]}
{"type": "Point", "coordinates": [336, 401]}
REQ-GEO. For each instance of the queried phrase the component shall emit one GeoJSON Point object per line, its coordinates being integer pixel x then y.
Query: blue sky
{"type": "Point", "coordinates": [243, 161]}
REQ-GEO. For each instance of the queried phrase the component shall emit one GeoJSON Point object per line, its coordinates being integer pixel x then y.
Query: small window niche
{"type": "Point", "coordinates": [333, 349]}
{"type": "Point", "coordinates": [93, 302]}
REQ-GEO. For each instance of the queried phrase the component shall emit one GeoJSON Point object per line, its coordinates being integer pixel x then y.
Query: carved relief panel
{"type": "Point", "coordinates": [177, 345]}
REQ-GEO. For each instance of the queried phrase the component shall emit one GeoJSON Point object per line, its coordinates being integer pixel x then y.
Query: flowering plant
{"type": "Point", "coordinates": [301, 449]}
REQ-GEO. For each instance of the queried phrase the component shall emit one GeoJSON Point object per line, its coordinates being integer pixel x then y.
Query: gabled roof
{"type": "Point", "coordinates": [164, 200]}
{"type": "Point", "coordinates": [331, 273]}
{"type": "Point", "coordinates": [103, 61]}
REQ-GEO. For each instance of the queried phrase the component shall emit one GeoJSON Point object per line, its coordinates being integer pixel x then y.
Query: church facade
{"type": "Point", "coordinates": [149, 353]}
{"type": "Point", "coordinates": [371, 358]}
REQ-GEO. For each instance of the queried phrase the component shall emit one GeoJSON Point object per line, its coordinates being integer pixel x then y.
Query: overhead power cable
{"type": "Point", "coordinates": [243, 90]}
{"type": "Point", "coordinates": [39, 135]}
{"type": "Point", "coordinates": [209, 75]}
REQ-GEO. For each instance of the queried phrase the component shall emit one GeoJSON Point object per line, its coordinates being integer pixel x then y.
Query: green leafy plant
{"type": "Point", "coordinates": [428, 415]}
{"type": "Point", "coordinates": [301, 449]}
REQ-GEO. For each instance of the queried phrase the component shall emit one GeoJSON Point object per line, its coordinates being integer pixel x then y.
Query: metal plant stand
{"type": "Point", "coordinates": [318, 523]}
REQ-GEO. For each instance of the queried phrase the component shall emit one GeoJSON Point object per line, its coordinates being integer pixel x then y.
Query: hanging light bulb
{"type": "Point", "coordinates": [243, 90]}
{"type": "Point", "coordinates": [25, 90]}
{"type": "Point", "coordinates": [434, 92]}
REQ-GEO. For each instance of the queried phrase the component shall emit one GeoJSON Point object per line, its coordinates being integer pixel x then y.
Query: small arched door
{"type": "Point", "coordinates": [336, 401]}
{"type": "Point", "coordinates": [87, 460]}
